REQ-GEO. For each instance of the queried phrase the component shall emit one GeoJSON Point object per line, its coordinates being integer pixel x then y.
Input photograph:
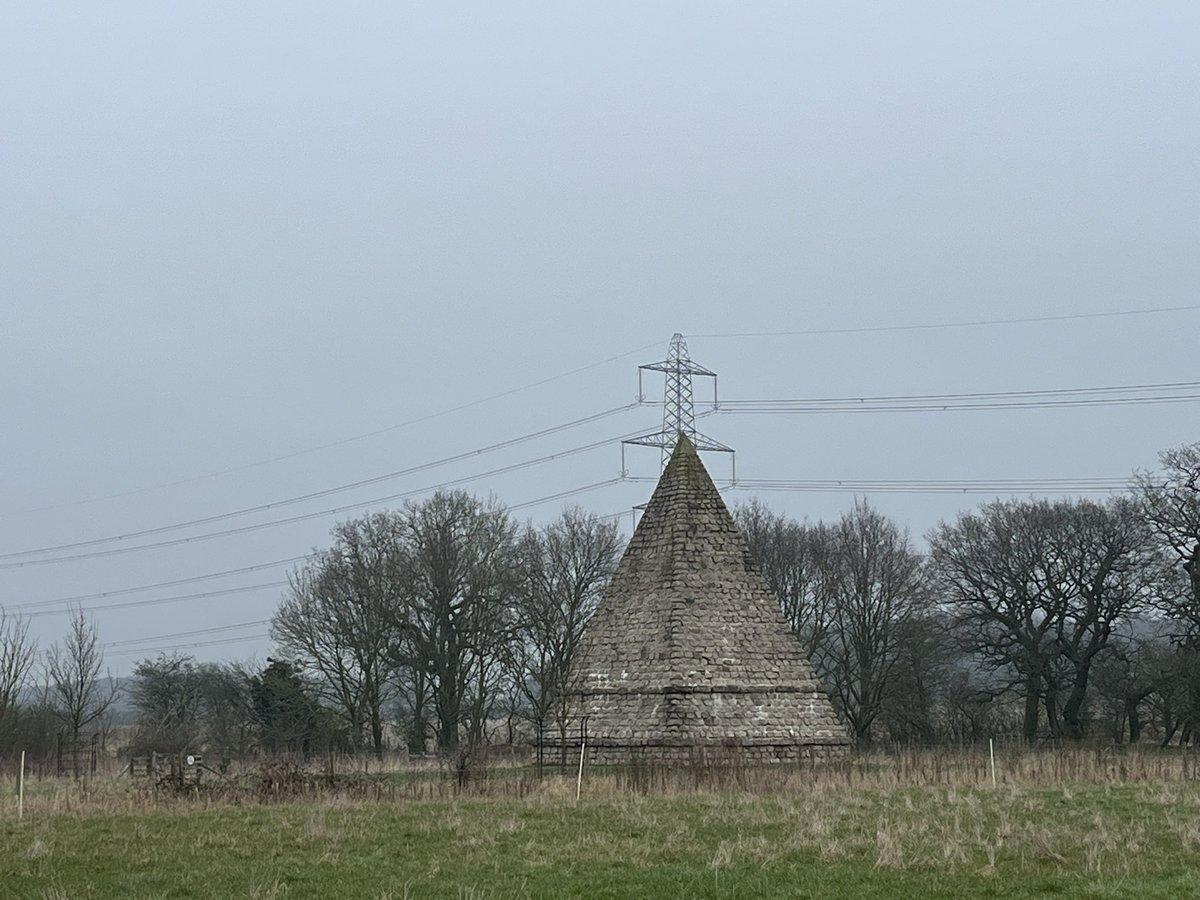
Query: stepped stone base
{"type": "Point", "coordinates": [608, 754]}
{"type": "Point", "coordinates": [701, 715]}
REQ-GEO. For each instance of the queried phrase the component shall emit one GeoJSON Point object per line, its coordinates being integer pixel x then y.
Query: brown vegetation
{"type": "Point", "coordinates": [345, 778]}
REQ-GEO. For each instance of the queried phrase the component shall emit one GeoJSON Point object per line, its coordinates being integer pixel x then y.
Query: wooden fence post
{"type": "Point", "coordinates": [21, 789]}
{"type": "Point", "coordinates": [582, 751]}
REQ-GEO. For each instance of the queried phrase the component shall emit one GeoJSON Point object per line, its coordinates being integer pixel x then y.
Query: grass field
{"type": "Point", "coordinates": [814, 838]}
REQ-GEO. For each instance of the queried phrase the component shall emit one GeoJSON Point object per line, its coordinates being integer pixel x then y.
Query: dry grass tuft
{"type": "Point", "coordinates": [272, 891]}
{"type": "Point", "coordinates": [889, 853]}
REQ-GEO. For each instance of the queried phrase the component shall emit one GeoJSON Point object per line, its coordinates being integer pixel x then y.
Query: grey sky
{"type": "Point", "coordinates": [230, 233]}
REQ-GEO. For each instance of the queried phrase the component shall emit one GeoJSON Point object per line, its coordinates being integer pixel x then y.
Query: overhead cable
{"type": "Point", "coordinates": [220, 642]}
{"type": "Point", "coordinates": [1163, 392]}
{"type": "Point", "coordinates": [153, 601]}
{"type": "Point", "coordinates": [273, 523]}
{"type": "Point", "coordinates": [216, 629]}
{"type": "Point", "coordinates": [977, 323]}
{"type": "Point", "coordinates": [1116, 395]}
{"type": "Point", "coordinates": [352, 438]}
{"type": "Point", "coordinates": [102, 595]}
{"type": "Point", "coordinates": [313, 495]}
{"type": "Point", "coordinates": [922, 485]}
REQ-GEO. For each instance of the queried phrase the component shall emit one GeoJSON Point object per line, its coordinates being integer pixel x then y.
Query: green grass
{"type": "Point", "coordinates": [1099, 841]}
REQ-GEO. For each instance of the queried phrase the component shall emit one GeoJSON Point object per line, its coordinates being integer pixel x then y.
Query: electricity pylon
{"type": "Point", "coordinates": [679, 414]}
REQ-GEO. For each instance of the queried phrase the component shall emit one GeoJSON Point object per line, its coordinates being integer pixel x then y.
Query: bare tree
{"type": "Point", "coordinates": [1171, 503]}
{"type": "Point", "coordinates": [166, 692]}
{"type": "Point", "coordinates": [227, 708]}
{"type": "Point", "coordinates": [459, 576]}
{"type": "Point", "coordinates": [414, 695]}
{"type": "Point", "coordinates": [17, 654]}
{"type": "Point", "coordinates": [877, 590]}
{"type": "Point", "coordinates": [1173, 702]}
{"type": "Point", "coordinates": [990, 568]}
{"type": "Point", "coordinates": [795, 560]}
{"type": "Point", "coordinates": [77, 692]}
{"type": "Point", "coordinates": [336, 617]}
{"type": "Point", "coordinates": [919, 687]}
{"type": "Point", "coordinates": [974, 708]}
{"type": "Point", "coordinates": [852, 592]}
{"type": "Point", "coordinates": [1040, 588]}
{"type": "Point", "coordinates": [566, 566]}
{"type": "Point", "coordinates": [1103, 571]}
{"type": "Point", "coordinates": [1130, 672]}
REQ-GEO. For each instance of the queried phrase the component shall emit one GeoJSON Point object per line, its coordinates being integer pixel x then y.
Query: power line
{"type": "Point", "coordinates": [953, 406]}
{"type": "Point", "coordinates": [990, 400]}
{"type": "Point", "coordinates": [936, 401]}
{"type": "Point", "coordinates": [68, 602]}
{"type": "Point", "coordinates": [102, 595]}
{"type": "Point", "coordinates": [1116, 395]}
{"type": "Point", "coordinates": [153, 601]}
{"type": "Point", "coordinates": [928, 326]}
{"type": "Point", "coordinates": [1036, 392]}
{"type": "Point", "coordinates": [930, 488]}
{"type": "Point", "coordinates": [858, 486]}
{"type": "Point", "coordinates": [289, 501]}
{"type": "Point", "coordinates": [69, 605]}
{"type": "Point", "coordinates": [569, 493]}
{"type": "Point", "coordinates": [243, 529]}
{"type": "Point", "coordinates": [222, 628]}
{"type": "Point", "coordinates": [348, 440]}
{"type": "Point", "coordinates": [579, 369]}
{"type": "Point", "coordinates": [985, 486]}
{"type": "Point", "coordinates": [222, 642]}
{"type": "Point", "coordinates": [185, 634]}
{"type": "Point", "coordinates": [928, 485]}
{"type": "Point", "coordinates": [1000, 485]}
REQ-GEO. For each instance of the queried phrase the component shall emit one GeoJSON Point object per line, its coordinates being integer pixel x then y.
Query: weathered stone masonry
{"type": "Point", "coordinates": [689, 650]}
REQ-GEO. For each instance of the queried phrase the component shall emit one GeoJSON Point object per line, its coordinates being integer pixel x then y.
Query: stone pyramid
{"type": "Point", "coordinates": [689, 649]}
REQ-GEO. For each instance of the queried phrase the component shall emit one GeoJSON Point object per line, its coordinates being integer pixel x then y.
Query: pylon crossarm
{"type": "Point", "coordinates": [669, 366]}
{"type": "Point", "coordinates": [703, 442]}
{"type": "Point", "coordinates": [658, 439]}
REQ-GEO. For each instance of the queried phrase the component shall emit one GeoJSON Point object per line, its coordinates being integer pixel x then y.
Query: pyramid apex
{"type": "Point", "coordinates": [685, 470]}
{"type": "Point", "coordinates": [683, 446]}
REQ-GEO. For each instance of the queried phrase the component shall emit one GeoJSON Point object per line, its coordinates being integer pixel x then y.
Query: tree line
{"type": "Point", "coordinates": [1066, 619]}
{"type": "Point", "coordinates": [424, 626]}
{"type": "Point", "coordinates": [449, 624]}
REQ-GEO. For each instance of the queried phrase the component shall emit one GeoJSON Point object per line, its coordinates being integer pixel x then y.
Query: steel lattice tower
{"type": "Point", "coordinates": [679, 414]}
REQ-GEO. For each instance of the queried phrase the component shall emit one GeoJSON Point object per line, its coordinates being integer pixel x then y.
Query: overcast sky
{"type": "Point", "coordinates": [234, 233]}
